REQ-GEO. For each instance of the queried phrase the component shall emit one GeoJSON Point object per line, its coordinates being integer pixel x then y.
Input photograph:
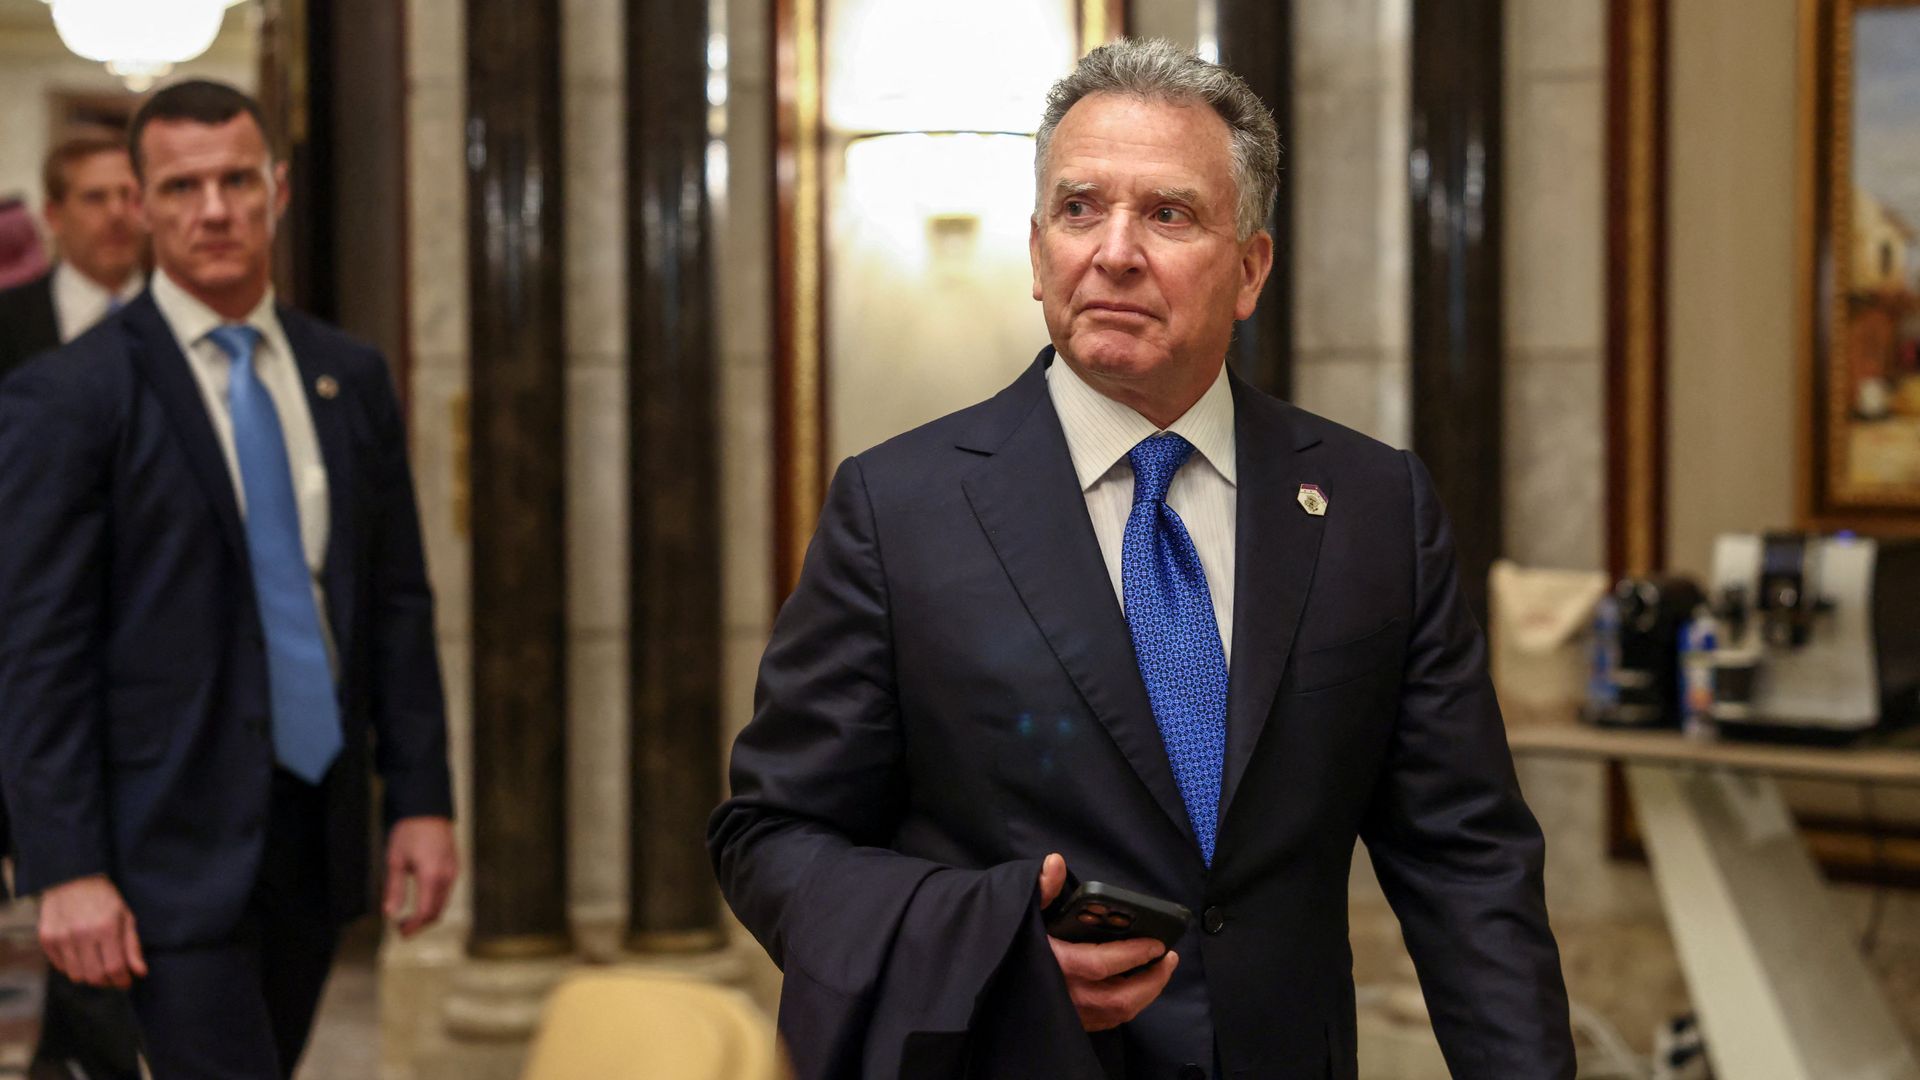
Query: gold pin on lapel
{"type": "Point", "coordinates": [326, 387]}
{"type": "Point", "coordinates": [1312, 500]}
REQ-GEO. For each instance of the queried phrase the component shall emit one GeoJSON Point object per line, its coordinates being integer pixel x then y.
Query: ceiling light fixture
{"type": "Point", "coordinates": [139, 40]}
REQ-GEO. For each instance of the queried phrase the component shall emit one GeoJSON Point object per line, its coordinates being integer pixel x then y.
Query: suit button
{"type": "Point", "coordinates": [1214, 919]}
{"type": "Point", "coordinates": [1190, 1071]}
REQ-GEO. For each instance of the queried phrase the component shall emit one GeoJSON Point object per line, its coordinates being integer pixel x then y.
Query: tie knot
{"type": "Point", "coordinates": [1155, 459]}
{"type": "Point", "coordinates": [236, 340]}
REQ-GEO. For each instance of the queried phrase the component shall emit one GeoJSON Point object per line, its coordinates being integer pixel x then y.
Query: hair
{"type": "Point", "coordinates": [201, 101]}
{"type": "Point", "coordinates": [71, 151]}
{"type": "Point", "coordinates": [1152, 69]}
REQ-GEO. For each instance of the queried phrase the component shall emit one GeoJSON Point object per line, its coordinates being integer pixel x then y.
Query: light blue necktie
{"type": "Point", "coordinates": [1176, 640]}
{"type": "Point", "coordinates": [306, 714]}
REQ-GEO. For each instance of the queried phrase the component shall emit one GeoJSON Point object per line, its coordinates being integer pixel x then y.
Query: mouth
{"type": "Point", "coordinates": [1116, 307]}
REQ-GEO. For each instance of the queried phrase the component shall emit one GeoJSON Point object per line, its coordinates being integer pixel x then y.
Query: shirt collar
{"type": "Point", "coordinates": [193, 320]}
{"type": "Point", "coordinates": [71, 286]}
{"type": "Point", "coordinates": [1100, 431]}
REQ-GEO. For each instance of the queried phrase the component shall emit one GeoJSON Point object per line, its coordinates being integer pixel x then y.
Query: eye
{"type": "Point", "coordinates": [1171, 215]}
{"type": "Point", "coordinates": [240, 178]}
{"type": "Point", "coordinates": [1074, 208]}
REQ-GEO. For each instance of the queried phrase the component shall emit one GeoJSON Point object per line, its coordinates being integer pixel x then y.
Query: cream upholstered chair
{"type": "Point", "coordinates": [635, 1025]}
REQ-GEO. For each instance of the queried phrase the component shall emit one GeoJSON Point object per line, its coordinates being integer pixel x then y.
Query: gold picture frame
{"type": "Point", "coordinates": [1860, 266]}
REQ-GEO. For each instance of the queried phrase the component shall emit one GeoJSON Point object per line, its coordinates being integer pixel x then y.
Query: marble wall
{"type": "Point", "coordinates": [1554, 292]}
{"type": "Point", "coordinates": [593, 85]}
{"type": "Point", "coordinates": [1346, 169]}
{"type": "Point", "coordinates": [414, 974]}
{"type": "Point", "coordinates": [744, 290]}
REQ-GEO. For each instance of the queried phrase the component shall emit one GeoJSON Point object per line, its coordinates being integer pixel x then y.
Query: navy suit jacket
{"type": "Point", "coordinates": [28, 325]}
{"type": "Point", "coordinates": [951, 693]}
{"type": "Point", "coordinates": [134, 716]}
{"type": "Point", "coordinates": [28, 322]}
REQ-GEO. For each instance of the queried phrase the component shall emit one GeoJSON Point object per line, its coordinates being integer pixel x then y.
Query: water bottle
{"type": "Point", "coordinates": [1602, 692]}
{"type": "Point", "coordinates": [1697, 644]}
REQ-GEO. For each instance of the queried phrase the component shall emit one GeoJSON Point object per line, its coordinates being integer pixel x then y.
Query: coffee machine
{"type": "Point", "coordinates": [1821, 637]}
{"type": "Point", "coordinates": [1639, 663]}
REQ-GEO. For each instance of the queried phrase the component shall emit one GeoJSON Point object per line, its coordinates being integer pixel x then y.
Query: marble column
{"type": "Point", "coordinates": [1256, 41]}
{"type": "Point", "coordinates": [517, 504]}
{"type": "Point", "coordinates": [675, 584]}
{"type": "Point", "coordinates": [1455, 191]}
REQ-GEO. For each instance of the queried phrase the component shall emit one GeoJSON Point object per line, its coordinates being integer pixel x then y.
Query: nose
{"type": "Point", "coordinates": [1119, 252]}
{"type": "Point", "coordinates": [213, 201]}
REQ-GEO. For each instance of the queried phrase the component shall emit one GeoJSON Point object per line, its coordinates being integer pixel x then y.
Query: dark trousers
{"type": "Point", "coordinates": [241, 1009]}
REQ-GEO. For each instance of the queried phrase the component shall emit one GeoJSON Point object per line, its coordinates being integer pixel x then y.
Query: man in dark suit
{"type": "Point", "coordinates": [1134, 613]}
{"type": "Point", "coordinates": [90, 211]}
{"type": "Point", "coordinates": [214, 616]}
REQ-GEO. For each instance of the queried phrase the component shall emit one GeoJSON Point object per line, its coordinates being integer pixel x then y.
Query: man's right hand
{"type": "Point", "coordinates": [1103, 995]}
{"type": "Point", "coordinates": [87, 932]}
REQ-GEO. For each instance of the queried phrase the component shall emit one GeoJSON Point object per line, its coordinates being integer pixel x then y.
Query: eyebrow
{"type": "Point", "coordinates": [1065, 188]}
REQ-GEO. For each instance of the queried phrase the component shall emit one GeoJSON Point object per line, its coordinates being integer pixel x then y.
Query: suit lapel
{"type": "Point", "coordinates": [1028, 500]}
{"type": "Point", "coordinates": [159, 360]}
{"type": "Point", "coordinates": [318, 368]}
{"type": "Point", "coordinates": [1278, 544]}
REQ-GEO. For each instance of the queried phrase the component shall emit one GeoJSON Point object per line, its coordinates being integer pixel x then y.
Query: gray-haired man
{"type": "Point", "coordinates": [1135, 617]}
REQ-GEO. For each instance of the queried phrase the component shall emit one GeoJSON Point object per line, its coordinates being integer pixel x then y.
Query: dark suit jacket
{"type": "Point", "coordinates": [951, 693]}
{"type": "Point", "coordinates": [28, 324]}
{"type": "Point", "coordinates": [134, 715]}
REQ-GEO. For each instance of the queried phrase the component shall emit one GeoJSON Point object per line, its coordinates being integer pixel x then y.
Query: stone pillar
{"type": "Point", "coordinates": [675, 599]}
{"type": "Point", "coordinates": [517, 460]}
{"type": "Point", "coordinates": [1454, 169]}
{"type": "Point", "coordinates": [1256, 41]}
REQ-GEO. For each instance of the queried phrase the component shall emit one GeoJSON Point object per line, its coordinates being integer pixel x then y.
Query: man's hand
{"type": "Point", "coordinates": [420, 850]}
{"type": "Point", "coordinates": [87, 932]}
{"type": "Point", "coordinates": [1102, 994]}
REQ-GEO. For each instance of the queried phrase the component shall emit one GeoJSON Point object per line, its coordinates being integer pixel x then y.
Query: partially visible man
{"type": "Point", "coordinates": [1134, 618]}
{"type": "Point", "coordinates": [91, 214]}
{"type": "Point", "coordinates": [214, 617]}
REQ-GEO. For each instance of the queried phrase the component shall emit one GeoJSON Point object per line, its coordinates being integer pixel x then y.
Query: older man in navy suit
{"type": "Point", "coordinates": [214, 617]}
{"type": "Point", "coordinates": [1134, 618]}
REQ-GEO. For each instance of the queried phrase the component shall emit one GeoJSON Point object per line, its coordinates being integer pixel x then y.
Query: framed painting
{"type": "Point", "coordinates": [1860, 175]}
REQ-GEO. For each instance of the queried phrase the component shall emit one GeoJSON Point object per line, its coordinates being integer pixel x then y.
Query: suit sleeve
{"type": "Point", "coordinates": [55, 462]}
{"type": "Point", "coordinates": [407, 702]}
{"type": "Point", "coordinates": [887, 957]}
{"type": "Point", "coordinates": [1456, 850]}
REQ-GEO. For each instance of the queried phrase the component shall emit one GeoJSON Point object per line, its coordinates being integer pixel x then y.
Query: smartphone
{"type": "Point", "coordinates": [1095, 911]}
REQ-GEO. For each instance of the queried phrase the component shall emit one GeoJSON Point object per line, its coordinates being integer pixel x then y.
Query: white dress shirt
{"type": "Point", "coordinates": [79, 301]}
{"type": "Point", "coordinates": [1204, 492]}
{"type": "Point", "coordinates": [191, 321]}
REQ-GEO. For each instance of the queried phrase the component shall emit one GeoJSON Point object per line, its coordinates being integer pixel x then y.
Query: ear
{"type": "Point", "coordinates": [282, 189]}
{"type": "Point", "coordinates": [50, 213]}
{"type": "Point", "coordinates": [1033, 253]}
{"type": "Point", "coordinates": [1256, 262]}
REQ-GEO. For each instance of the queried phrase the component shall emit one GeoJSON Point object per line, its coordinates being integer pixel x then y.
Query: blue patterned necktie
{"type": "Point", "coordinates": [1176, 640]}
{"type": "Point", "coordinates": [306, 714]}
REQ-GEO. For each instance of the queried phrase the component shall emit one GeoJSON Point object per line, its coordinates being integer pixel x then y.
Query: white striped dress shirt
{"type": "Point", "coordinates": [1100, 431]}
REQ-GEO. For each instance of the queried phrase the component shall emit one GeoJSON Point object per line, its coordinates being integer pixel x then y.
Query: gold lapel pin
{"type": "Point", "coordinates": [326, 387]}
{"type": "Point", "coordinates": [1312, 500]}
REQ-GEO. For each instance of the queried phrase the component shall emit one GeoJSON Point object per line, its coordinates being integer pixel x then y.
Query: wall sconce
{"type": "Point", "coordinates": [139, 40]}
